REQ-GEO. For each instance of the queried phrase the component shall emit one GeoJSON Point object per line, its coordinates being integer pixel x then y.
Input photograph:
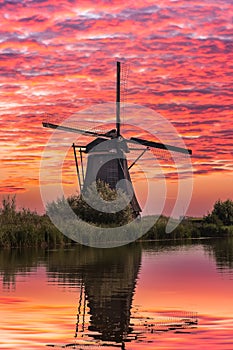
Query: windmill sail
{"type": "Point", "coordinates": [160, 145]}
{"type": "Point", "coordinates": [106, 154]}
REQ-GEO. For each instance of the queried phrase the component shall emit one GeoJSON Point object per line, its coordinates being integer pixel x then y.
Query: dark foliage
{"type": "Point", "coordinates": [99, 195]}
{"type": "Point", "coordinates": [222, 213]}
{"type": "Point", "coordinates": [24, 228]}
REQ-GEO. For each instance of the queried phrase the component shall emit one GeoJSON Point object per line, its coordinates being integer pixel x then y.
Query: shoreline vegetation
{"type": "Point", "coordinates": [25, 228]}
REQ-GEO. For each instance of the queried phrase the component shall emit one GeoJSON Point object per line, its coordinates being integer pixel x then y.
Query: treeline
{"type": "Point", "coordinates": [218, 223]}
{"type": "Point", "coordinates": [24, 228]}
{"type": "Point", "coordinates": [189, 228]}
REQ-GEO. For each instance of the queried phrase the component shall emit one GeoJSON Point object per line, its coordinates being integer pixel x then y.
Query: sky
{"type": "Point", "coordinates": [58, 58]}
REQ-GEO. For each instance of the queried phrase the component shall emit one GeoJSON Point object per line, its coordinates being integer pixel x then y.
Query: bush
{"type": "Point", "coordinates": [222, 213]}
{"type": "Point", "coordinates": [106, 215]}
{"type": "Point", "coordinates": [210, 230]}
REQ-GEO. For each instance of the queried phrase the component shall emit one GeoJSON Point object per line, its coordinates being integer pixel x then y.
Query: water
{"type": "Point", "coordinates": [143, 296]}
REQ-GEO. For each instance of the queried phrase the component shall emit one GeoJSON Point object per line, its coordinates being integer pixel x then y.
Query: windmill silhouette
{"type": "Point", "coordinates": [106, 154]}
{"type": "Point", "coordinates": [107, 316]}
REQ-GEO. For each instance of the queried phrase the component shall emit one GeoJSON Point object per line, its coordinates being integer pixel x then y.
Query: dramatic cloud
{"type": "Point", "coordinates": [59, 57]}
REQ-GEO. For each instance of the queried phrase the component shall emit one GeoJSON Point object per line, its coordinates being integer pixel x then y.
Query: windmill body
{"type": "Point", "coordinates": [106, 154]}
{"type": "Point", "coordinates": [107, 162]}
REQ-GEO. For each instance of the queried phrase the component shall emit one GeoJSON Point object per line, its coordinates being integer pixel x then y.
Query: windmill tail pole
{"type": "Point", "coordinates": [118, 98]}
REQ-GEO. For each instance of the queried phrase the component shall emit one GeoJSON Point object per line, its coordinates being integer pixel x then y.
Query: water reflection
{"type": "Point", "coordinates": [17, 261]}
{"type": "Point", "coordinates": [108, 277]}
{"type": "Point", "coordinates": [222, 251]}
{"type": "Point", "coordinates": [104, 282]}
{"type": "Point", "coordinates": [65, 265]}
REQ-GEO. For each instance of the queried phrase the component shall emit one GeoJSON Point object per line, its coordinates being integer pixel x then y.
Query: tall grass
{"type": "Point", "coordinates": [25, 228]}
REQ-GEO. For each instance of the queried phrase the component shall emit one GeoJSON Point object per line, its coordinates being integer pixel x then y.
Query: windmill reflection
{"type": "Point", "coordinates": [107, 279]}
{"type": "Point", "coordinates": [109, 282]}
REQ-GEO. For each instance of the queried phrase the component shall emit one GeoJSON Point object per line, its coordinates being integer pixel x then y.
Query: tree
{"type": "Point", "coordinates": [222, 213]}
{"type": "Point", "coordinates": [102, 205]}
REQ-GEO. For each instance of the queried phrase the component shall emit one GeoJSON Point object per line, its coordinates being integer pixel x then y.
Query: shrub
{"type": "Point", "coordinates": [105, 215]}
{"type": "Point", "coordinates": [222, 213]}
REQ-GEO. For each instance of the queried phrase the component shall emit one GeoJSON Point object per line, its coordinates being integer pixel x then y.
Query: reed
{"type": "Point", "coordinates": [25, 228]}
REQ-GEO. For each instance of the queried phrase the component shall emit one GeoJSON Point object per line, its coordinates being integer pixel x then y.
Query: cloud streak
{"type": "Point", "coordinates": [58, 58]}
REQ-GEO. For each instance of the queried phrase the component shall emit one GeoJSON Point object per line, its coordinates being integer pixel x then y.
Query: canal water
{"type": "Point", "coordinates": [150, 295]}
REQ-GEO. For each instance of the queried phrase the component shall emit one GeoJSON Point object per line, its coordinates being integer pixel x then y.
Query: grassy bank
{"type": "Point", "coordinates": [24, 228]}
{"type": "Point", "coordinates": [187, 229]}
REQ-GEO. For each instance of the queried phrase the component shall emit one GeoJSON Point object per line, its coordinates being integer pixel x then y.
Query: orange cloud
{"type": "Point", "coordinates": [56, 58]}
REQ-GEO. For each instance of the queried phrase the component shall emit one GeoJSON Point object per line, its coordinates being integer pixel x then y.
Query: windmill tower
{"type": "Point", "coordinates": [106, 154]}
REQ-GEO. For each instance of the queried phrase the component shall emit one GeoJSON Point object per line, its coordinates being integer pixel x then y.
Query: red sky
{"type": "Point", "coordinates": [59, 57]}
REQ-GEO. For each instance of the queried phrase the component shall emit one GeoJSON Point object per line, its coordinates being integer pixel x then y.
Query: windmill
{"type": "Point", "coordinates": [106, 154]}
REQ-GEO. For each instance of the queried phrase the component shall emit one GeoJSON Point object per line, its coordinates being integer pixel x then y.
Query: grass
{"type": "Point", "coordinates": [24, 228]}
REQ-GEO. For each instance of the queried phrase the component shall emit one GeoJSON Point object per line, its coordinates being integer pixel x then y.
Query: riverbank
{"type": "Point", "coordinates": [23, 228]}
